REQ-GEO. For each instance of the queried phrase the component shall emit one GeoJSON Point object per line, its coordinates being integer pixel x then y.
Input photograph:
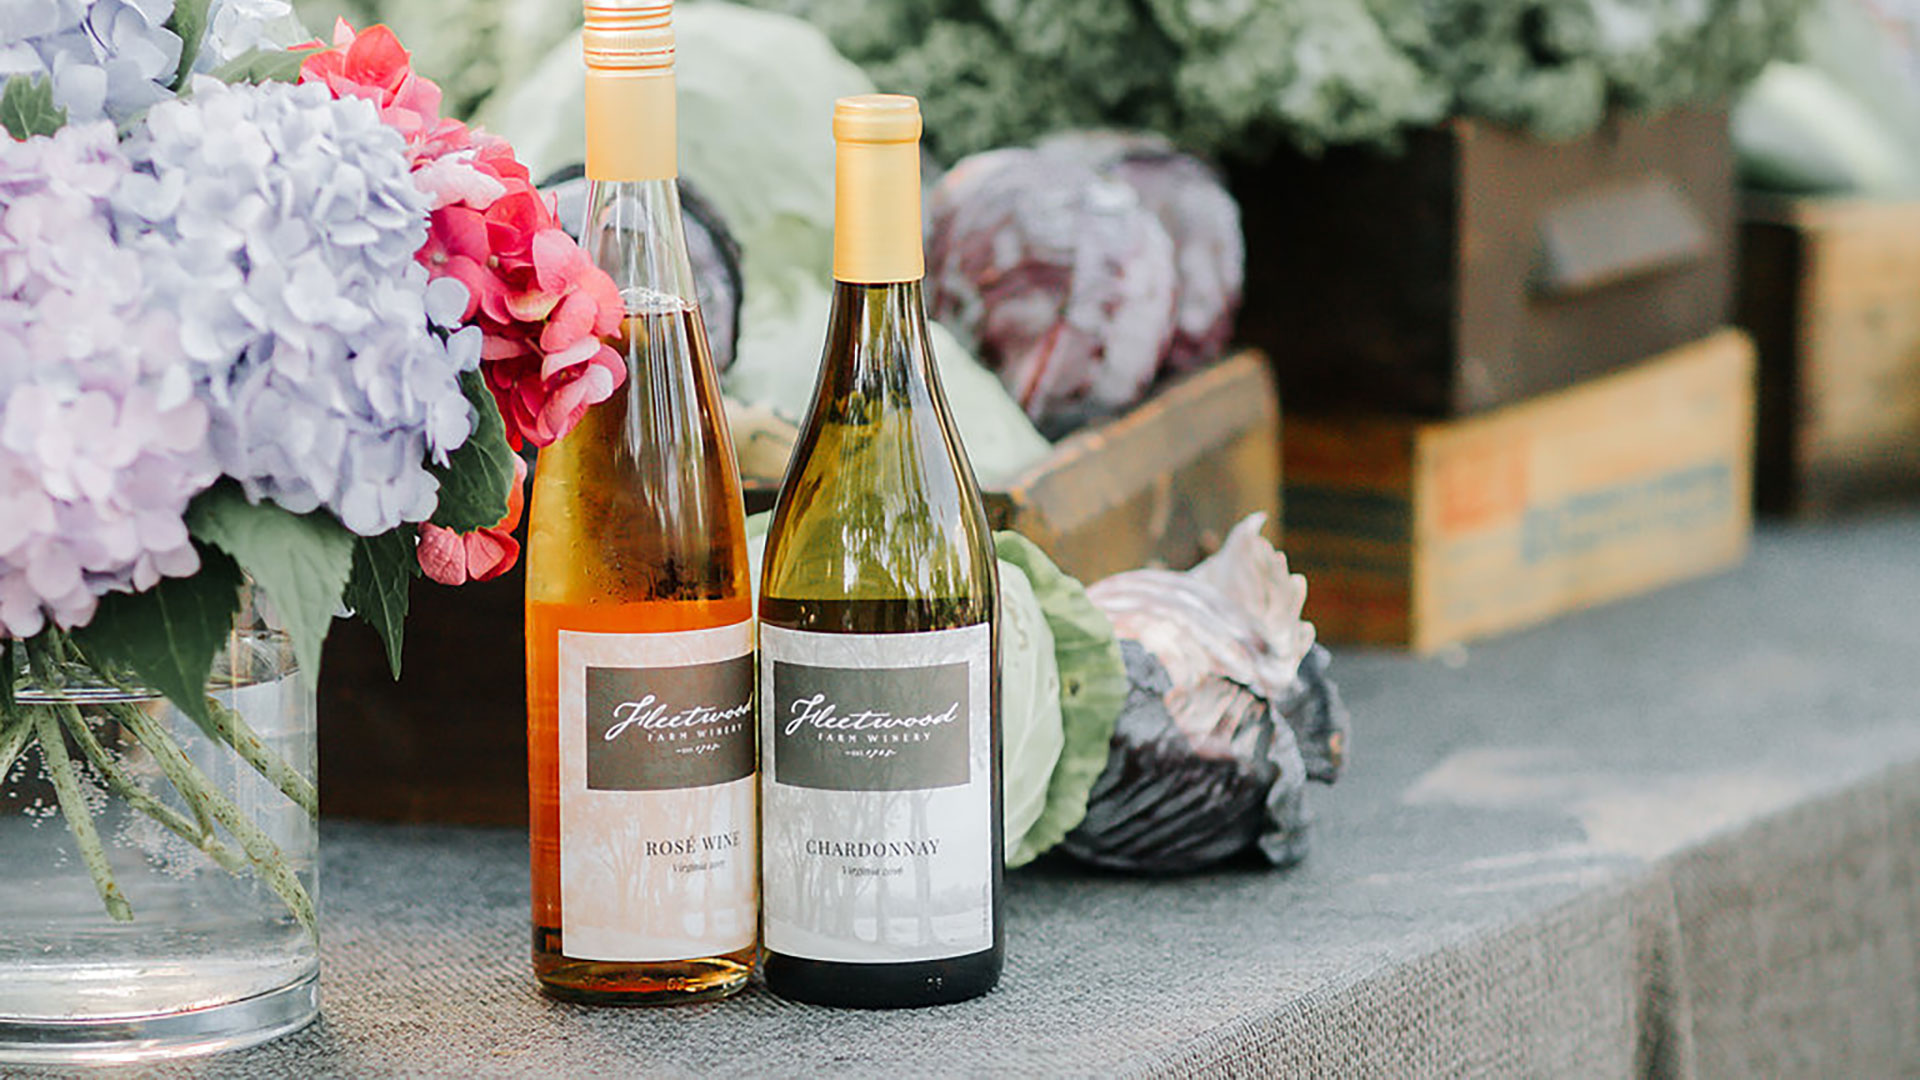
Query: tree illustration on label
{"type": "Point", "coordinates": [874, 809]}
{"type": "Point", "coordinates": [674, 877]}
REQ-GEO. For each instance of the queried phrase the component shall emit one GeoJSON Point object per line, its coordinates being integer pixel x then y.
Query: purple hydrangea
{"type": "Point", "coordinates": [236, 26]}
{"type": "Point", "coordinates": [102, 442]}
{"type": "Point", "coordinates": [114, 58]}
{"type": "Point", "coordinates": [281, 225]}
{"type": "Point", "coordinates": [107, 58]}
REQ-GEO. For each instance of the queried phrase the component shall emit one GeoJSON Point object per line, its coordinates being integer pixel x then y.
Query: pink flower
{"type": "Point", "coordinates": [543, 307]}
{"type": "Point", "coordinates": [372, 65]}
{"type": "Point", "coordinates": [453, 558]}
{"type": "Point", "coordinates": [452, 180]}
{"type": "Point", "coordinates": [545, 310]}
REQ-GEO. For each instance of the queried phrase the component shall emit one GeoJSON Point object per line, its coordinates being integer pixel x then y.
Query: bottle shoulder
{"type": "Point", "coordinates": [879, 515]}
{"type": "Point", "coordinates": [613, 519]}
{"type": "Point", "coordinates": [879, 500]}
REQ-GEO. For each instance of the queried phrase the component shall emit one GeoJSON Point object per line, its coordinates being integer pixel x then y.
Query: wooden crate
{"type": "Point", "coordinates": [1830, 291]}
{"type": "Point", "coordinates": [1161, 485]}
{"type": "Point", "coordinates": [1426, 533]}
{"type": "Point", "coordinates": [1484, 266]}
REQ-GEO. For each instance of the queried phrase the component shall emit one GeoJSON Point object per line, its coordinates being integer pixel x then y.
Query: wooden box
{"type": "Point", "coordinates": [1830, 291]}
{"type": "Point", "coordinates": [1160, 485]}
{"type": "Point", "coordinates": [1426, 533]}
{"type": "Point", "coordinates": [1484, 266]}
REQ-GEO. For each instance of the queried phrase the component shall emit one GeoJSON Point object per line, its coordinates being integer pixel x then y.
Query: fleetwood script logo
{"type": "Point", "coordinates": [656, 729]}
{"type": "Point", "coordinates": [651, 717]}
{"type": "Point", "coordinates": [873, 729]}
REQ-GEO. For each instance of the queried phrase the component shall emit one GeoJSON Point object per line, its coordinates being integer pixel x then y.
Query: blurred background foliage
{"type": "Point", "coordinates": [1223, 77]}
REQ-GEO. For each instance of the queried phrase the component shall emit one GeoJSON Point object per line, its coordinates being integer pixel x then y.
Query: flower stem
{"type": "Point", "coordinates": [16, 730]}
{"type": "Point", "coordinates": [66, 786]}
{"type": "Point", "coordinates": [172, 764]}
{"type": "Point", "coordinates": [233, 730]}
{"type": "Point", "coordinates": [142, 800]}
{"type": "Point", "coordinates": [229, 727]}
{"type": "Point", "coordinates": [267, 858]}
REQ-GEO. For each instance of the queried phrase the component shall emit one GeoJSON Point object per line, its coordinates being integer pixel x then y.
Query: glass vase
{"type": "Point", "coordinates": [158, 890]}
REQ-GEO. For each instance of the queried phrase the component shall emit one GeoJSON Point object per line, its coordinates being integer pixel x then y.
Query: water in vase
{"type": "Point", "coordinates": [217, 888]}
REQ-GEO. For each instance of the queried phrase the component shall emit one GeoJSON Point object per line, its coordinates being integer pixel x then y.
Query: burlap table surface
{"type": "Point", "coordinates": [1676, 837]}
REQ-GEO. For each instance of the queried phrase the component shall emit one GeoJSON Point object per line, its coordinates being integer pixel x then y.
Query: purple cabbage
{"type": "Point", "coordinates": [1085, 269]}
{"type": "Point", "coordinates": [1063, 280]}
{"type": "Point", "coordinates": [1202, 220]}
{"type": "Point", "coordinates": [1229, 714]}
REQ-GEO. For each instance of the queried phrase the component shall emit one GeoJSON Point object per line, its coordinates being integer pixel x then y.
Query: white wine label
{"type": "Point", "coordinates": [877, 794]}
{"type": "Point", "coordinates": [657, 852]}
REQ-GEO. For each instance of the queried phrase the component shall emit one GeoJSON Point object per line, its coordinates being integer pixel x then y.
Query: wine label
{"type": "Point", "coordinates": [877, 794]}
{"type": "Point", "coordinates": [657, 845]}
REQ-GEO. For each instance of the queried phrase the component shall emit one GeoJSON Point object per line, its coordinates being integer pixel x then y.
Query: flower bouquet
{"type": "Point", "coordinates": [271, 329]}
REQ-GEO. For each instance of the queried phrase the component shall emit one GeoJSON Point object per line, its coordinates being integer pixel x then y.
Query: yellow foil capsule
{"type": "Point", "coordinates": [876, 228]}
{"type": "Point", "coordinates": [631, 117]}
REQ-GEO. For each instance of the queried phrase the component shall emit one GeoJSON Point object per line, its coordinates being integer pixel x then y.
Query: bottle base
{"type": "Point", "coordinates": [666, 982]}
{"type": "Point", "coordinates": [883, 986]}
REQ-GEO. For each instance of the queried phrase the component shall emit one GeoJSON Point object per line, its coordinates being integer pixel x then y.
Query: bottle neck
{"type": "Point", "coordinates": [877, 343]}
{"type": "Point", "coordinates": [632, 125]}
{"type": "Point", "coordinates": [876, 222]}
{"type": "Point", "coordinates": [633, 231]}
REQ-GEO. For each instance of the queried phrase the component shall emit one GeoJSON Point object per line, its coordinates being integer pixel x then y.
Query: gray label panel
{"type": "Point", "coordinates": [870, 729]}
{"type": "Point", "coordinates": [657, 729]}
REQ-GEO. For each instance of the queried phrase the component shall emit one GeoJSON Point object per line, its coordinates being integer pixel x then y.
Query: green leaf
{"type": "Point", "coordinates": [27, 108]}
{"type": "Point", "coordinates": [262, 65]}
{"type": "Point", "coordinates": [168, 636]}
{"type": "Point", "coordinates": [384, 567]}
{"type": "Point", "coordinates": [189, 24]}
{"type": "Point", "coordinates": [301, 561]}
{"type": "Point", "coordinates": [1093, 690]}
{"type": "Point", "coordinates": [478, 477]}
{"type": "Point", "coordinates": [7, 663]}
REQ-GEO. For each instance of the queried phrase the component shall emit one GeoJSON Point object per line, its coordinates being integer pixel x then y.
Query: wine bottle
{"type": "Point", "coordinates": [641, 753]}
{"type": "Point", "coordinates": [879, 669]}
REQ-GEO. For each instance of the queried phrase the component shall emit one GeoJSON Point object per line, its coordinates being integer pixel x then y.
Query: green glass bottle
{"type": "Point", "coordinates": [879, 669]}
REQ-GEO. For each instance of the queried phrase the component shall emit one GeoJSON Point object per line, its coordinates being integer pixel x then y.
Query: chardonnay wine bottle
{"type": "Point", "coordinates": [641, 753]}
{"type": "Point", "coordinates": [879, 662]}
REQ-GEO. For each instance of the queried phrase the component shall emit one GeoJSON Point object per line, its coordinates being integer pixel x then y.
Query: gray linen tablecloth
{"type": "Point", "coordinates": [1679, 836]}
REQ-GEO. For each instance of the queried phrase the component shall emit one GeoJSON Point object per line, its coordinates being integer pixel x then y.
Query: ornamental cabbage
{"type": "Point", "coordinates": [1092, 686]}
{"type": "Point", "coordinates": [1241, 77]}
{"type": "Point", "coordinates": [1846, 121]}
{"type": "Point", "coordinates": [1031, 735]}
{"type": "Point", "coordinates": [1229, 714]}
{"type": "Point", "coordinates": [1063, 278]}
{"type": "Point", "coordinates": [1085, 269]}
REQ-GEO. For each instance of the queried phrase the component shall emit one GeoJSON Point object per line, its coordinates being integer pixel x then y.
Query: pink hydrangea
{"type": "Point", "coordinates": [455, 558]}
{"type": "Point", "coordinates": [543, 306]}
